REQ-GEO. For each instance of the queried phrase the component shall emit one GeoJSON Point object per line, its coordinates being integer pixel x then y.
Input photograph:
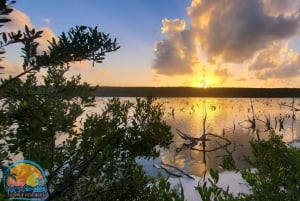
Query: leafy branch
{"type": "Point", "coordinates": [78, 44]}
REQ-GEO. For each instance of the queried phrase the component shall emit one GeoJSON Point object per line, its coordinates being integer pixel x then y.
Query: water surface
{"type": "Point", "coordinates": [227, 118]}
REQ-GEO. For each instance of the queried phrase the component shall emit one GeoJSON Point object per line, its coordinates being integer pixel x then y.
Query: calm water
{"type": "Point", "coordinates": [227, 118]}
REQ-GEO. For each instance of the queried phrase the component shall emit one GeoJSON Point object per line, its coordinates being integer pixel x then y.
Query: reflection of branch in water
{"type": "Point", "coordinates": [193, 141]}
{"type": "Point", "coordinates": [226, 148]}
{"type": "Point", "coordinates": [253, 125]}
{"type": "Point", "coordinates": [291, 106]}
{"type": "Point", "coordinates": [178, 169]}
{"type": "Point", "coordinates": [171, 169]}
{"type": "Point", "coordinates": [227, 160]}
{"type": "Point", "coordinates": [228, 142]}
{"type": "Point", "coordinates": [294, 110]}
{"type": "Point", "coordinates": [250, 120]}
{"type": "Point", "coordinates": [267, 123]}
{"type": "Point", "coordinates": [281, 120]}
{"type": "Point", "coordinates": [257, 134]}
{"type": "Point", "coordinates": [166, 170]}
{"type": "Point", "coordinates": [203, 139]}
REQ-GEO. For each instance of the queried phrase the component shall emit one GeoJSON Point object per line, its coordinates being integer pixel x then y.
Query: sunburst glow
{"type": "Point", "coordinates": [205, 82]}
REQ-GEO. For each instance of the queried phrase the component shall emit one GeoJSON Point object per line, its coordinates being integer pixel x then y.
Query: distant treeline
{"type": "Point", "coordinates": [197, 92]}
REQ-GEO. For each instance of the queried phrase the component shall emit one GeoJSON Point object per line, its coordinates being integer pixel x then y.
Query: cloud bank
{"type": "Point", "coordinates": [251, 34]}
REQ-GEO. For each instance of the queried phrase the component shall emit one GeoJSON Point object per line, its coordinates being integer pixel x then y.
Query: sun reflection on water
{"type": "Point", "coordinates": [223, 118]}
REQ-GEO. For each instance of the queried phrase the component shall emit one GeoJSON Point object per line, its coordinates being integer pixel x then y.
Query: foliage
{"type": "Point", "coordinates": [79, 43]}
{"type": "Point", "coordinates": [228, 162]}
{"type": "Point", "coordinates": [42, 113]}
{"type": "Point", "coordinates": [209, 191]}
{"type": "Point", "coordinates": [274, 174]}
{"type": "Point", "coordinates": [93, 161]}
{"type": "Point", "coordinates": [97, 159]}
{"type": "Point", "coordinates": [278, 170]}
{"type": "Point", "coordinates": [5, 9]}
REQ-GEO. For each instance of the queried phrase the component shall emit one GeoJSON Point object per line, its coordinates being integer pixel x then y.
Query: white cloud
{"type": "Point", "coordinates": [47, 21]}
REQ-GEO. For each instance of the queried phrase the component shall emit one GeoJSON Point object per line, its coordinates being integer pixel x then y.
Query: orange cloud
{"type": "Point", "coordinates": [222, 73]}
{"type": "Point", "coordinates": [47, 35]}
{"type": "Point", "coordinates": [18, 21]}
{"type": "Point", "coordinates": [10, 68]}
{"type": "Point", "coordinates": [171, 26]}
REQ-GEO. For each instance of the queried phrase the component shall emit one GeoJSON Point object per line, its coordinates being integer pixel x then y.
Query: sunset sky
{"type": "Point", "coordinates": [199, 43]}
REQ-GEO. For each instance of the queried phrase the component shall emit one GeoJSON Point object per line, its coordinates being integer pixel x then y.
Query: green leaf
{"type": "Point", "coordinates": [214, 175]}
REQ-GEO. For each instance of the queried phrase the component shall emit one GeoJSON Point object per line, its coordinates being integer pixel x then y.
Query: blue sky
{"type": "Point", "coordinates": [180, 42]}
{"type": "Point", "coordinates": [138, 17]}
{"type": "Point", "coordinates": [136, 25]}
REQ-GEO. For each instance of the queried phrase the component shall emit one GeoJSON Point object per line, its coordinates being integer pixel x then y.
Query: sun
{"type": "Point", "coordinates": [204, 81]}
{"type": "Point", "coordinates": [203, 84]}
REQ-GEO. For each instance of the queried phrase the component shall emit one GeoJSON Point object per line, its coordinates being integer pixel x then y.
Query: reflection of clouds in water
{"type": "Point", "coordinates": [223, 116]}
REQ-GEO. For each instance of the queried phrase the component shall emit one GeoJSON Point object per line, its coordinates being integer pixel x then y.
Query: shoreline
{"type": "Point", "coordinates": [197, 92]}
